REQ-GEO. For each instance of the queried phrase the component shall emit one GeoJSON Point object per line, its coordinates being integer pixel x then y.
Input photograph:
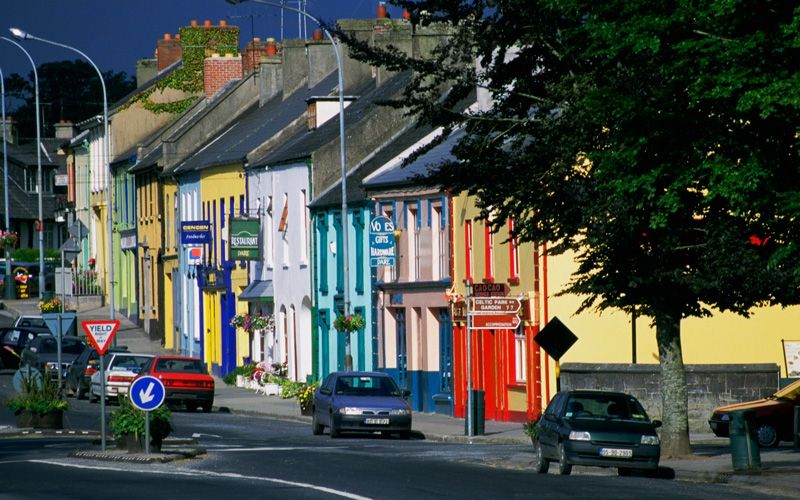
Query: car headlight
{"type": "Point", "coordinates": [579, 436]}
{"type": "Point", "coordinates": [349, 410]}
{"type": "Point", "coordinates": [650, 440]}
{"type": "Point", "coordinates": [399, 411]}
{"type": "Point", "coordinates": [51, 365]}
{"type": "Point", "coordinates": [725, 417]}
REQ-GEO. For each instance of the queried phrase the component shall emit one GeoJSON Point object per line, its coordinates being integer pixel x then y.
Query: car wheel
{"type": "Point", "coordinates": [93, 398]}
{"type": "Point", "coordinates": [207, 407]}
{"type": "Point", "coordinates": [766, 435]}
{"type": "Point", "coordinates": [316, 427]}
{"type": "Point", "coordinates": [334, 431]}
{"type": "Point", "coordinates": [564, 467]}
{"type": "Point", "coordinates": [540, 463]}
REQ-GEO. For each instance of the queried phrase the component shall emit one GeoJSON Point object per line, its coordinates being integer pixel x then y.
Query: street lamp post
{"type": "Point", "coordinates": [9, 284]}
{"type": "Point", "coordinates": [22, 35]}
{"type": "Point", "coordinates": [345, 237]}
{"type": "Point", "coordinates": [39, 186]}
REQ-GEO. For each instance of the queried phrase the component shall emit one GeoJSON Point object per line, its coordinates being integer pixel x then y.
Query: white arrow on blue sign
{"type": "Point", "coordinates": [147, 393]}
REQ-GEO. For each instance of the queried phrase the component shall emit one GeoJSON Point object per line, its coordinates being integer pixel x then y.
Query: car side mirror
{"type": "Point", "coordinates": [325, 391]}
{"type": "Point", "coordinates": [550, 417]}
{"type": "Point", "coordinates": [657, 423]}
{"type": "Point", "coordinates": [405, 393]}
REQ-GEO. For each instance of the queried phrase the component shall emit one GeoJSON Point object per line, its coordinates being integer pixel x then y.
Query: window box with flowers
{"type": "Point", "coordinates": [349, 323]}
{"type": "Point", "coordinates": [8, 239]}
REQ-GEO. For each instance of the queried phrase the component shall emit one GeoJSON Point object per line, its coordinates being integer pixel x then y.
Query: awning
{"type": "Point", "coordinates": [258, 291]}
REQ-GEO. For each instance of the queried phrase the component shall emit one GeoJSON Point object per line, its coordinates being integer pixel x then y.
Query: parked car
{"type": "Point", "coordinates": [186, 381]}
{"type": "Point", "coordinates": [13, 340]}
{"type": "Point", "coordinates": [120, 369]}
{"type": "Point", "coordinates": [31, 320]}
{"type": "Point", "coordinates": [598, 428]}
{"type": "Point", "coordinates": [79, 376]}
{"type": "Point", "coordinates": [773, 416]}
{"type": "Point", "coordinates": [42, 354]}
{"type": "Point", "coordinates": [361, 402]}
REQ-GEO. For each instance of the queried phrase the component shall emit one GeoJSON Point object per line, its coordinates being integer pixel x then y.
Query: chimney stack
{"type": "Point", "coordinates": [218, 71]}
{"type": "Point", "coordinates": [255, 50]}
{"type": "Point", "coordinates": [64, 130]}
{"type": "Point", "coordinates": [168, 51]}
{"type": "Point", "coordinates": [11, 130]}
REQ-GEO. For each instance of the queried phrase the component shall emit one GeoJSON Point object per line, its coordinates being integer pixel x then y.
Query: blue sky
{"type": "Point", "coordinates": [117, 33]}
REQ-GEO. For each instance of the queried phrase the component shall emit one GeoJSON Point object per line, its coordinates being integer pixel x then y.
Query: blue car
{"type": "Point", "coordinates": [361, 402]}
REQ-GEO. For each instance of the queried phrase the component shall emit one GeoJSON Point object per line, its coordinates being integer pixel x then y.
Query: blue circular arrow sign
{"type": "Point", "coordinates": [147, 393]}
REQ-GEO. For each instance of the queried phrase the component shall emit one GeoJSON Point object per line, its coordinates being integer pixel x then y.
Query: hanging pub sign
{"type": "Point", "coordinates": [244, 241]}
{"type": "Point", "coordinates": [195, 232]}
{"type": "Point", "coordinates": [212, 279]}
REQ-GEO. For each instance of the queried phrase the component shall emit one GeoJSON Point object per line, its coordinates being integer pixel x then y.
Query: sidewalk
{"type": "Point", "coordinates": [780, 472]}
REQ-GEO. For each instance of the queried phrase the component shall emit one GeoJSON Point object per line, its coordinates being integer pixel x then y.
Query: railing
{"type": "Point", "coordinates": [86, 283]}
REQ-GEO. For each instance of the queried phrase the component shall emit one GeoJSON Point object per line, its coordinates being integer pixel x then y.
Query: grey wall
{"type": "Point", "coordinates": [709, 385]}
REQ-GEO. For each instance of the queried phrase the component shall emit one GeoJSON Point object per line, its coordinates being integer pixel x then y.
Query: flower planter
{"type": "Point", "coordinates": [271, 389]}
{"type": "Point", "coordinates": [240, 381]}
{"type": "Point", "coordinates": [135, 444]}
{"type": "Point", "coordinates": [50, 420]}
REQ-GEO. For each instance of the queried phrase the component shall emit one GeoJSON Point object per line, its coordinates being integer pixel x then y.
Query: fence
{"type": "Point", "coordinates": [86, 283]}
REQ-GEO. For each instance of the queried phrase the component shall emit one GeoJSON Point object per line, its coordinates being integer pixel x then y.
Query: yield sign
{"type": "Point", "coordinates": [100, 332]}
{"type": "Point", "coordinates": [492, 321]}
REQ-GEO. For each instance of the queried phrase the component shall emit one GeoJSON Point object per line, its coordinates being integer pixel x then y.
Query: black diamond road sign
{"type": "Point", "coordinates": [555, 338]}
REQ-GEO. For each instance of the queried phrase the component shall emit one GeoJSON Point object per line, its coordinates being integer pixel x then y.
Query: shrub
{"type": "Point", "coordinates": [128, 419]}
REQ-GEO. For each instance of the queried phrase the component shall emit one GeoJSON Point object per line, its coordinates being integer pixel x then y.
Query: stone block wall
{"type": "Point", "coordinates": [709, 386]}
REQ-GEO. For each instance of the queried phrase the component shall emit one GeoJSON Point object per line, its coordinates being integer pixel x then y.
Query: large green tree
{"type": "Point", "coordinates": [655, 139]}
{"type": "Point", "coordinates": [68, 90]}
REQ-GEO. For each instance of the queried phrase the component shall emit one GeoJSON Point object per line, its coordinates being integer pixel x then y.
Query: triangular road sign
{"type": "Point", "coordinates": [100, 332]}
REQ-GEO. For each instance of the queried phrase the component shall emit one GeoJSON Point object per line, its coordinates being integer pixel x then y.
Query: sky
{"type": "Point", "coordinates": [117, 33]}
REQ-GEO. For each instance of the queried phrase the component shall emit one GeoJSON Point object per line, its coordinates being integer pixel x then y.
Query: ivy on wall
{"type": "Point", "coordinates": [197, 42]}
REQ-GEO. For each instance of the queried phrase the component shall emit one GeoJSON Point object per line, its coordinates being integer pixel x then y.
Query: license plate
{"type": "Point", "coordinates": [376, 421]}
{"type": "Point", "coordinates": [616, 452]}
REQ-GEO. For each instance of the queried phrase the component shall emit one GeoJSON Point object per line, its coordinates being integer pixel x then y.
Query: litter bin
{"type": "Point", "coordinates": [744, 447]}
{"type": "Point", "coordinates": [478, 414]}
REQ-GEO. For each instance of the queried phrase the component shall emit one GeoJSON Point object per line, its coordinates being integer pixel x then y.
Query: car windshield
{"type": "Point", "coordinates": [174, 365]}
{"type": "Point", "coordinates": [791, 391]}
{"type": "Point", "coordinates": [366, 385]}
{"type": "Point", "coordinates": [609, 406]}
{"type": "Point", "coordinates": [130, 362]}
{"type": "Point", "coordinates": [48, 345]}
{"type": "Point", "coordinates": [32, 321]}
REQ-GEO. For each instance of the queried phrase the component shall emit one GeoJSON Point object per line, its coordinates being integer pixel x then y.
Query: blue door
{"type": "Point", "coordinates": [402, 362]}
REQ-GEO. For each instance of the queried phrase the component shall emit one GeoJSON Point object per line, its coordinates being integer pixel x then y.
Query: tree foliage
{"type": "Point", "coordinates": [68, 90]}
{"type": "Point", "coordinates": [656, 140]}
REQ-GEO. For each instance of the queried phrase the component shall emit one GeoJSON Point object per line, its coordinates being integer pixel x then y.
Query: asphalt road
{"type": "Point", "coordinates": [251, 457]}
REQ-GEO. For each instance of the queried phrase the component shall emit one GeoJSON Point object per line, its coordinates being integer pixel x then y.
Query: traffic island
{"type": "Point", "coordinates": [167, 454]}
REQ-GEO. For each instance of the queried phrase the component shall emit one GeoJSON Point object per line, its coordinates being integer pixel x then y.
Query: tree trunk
{"type": "Point", "coordinates": [674, 393]}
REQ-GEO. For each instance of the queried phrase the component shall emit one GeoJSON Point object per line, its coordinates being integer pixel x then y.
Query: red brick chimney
{"type": "Point", "coordinates": [168, 51]}
{"type": "Point", "coordinates": [219, 70]}
{"type": "Point", "coordinates": [255, 50]}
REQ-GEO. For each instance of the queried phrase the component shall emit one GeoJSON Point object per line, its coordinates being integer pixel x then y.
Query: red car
{"type": "Point", "coordinates": [186, 381]}
{"type": "Point", "coordinates": [774, 416]}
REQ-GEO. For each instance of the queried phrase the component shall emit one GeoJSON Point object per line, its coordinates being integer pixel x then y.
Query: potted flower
{"type": "Point", "coordinates": [348, 323]}
{"type": "Point", "coordinates": [8, 239]}
{"type": "Point", "coordinates": [40, 405]}
{"type": "Point", "coordinates": [252, 322]}
{"type": "Point", "coordinates": [52, 305]}
{"type": "Point", "coordinates": [128, 426]}
{"type": "Point", "coordinates": [305, 398]}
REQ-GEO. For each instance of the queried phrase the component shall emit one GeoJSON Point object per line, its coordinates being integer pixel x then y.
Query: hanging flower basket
{"type": "Point", "coordinates": [252, 322]}
{"type": "Point", "coordinates": [349, 323]}
{"type": "Point", "coordinates": [8, 239]}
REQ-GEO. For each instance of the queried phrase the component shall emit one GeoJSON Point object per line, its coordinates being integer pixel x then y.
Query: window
{"type": "Point", "coordinates": [520, 355]}
{"type": "Point", "coordinates": [513, 252]}
{"type": "Point", "coordinates": [412, 228]}
{"type": "Point", "coordinates": [304, 227]}
{"type": "Point", "coordinates": [489, 249]}
{"type": "Point", "coordinates": [468, 249]}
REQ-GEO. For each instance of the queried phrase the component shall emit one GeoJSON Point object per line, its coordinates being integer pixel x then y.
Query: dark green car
{"type": "Point", "coordinates": [598, 428]}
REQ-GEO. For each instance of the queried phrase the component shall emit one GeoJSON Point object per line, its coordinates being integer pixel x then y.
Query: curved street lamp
{"type": "Point", "coordinates": [22, 35]}
{"type": "Point", "coordinates": [39, 186]}
{"type": "Point", "coordinates": [345, 237]}
{"type": "Point", "coordinates": [9, 286]}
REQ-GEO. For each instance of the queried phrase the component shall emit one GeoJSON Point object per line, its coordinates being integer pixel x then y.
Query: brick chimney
{"type": "Point", "coordinates": [219, 70]}
{"type": "Point", "coordinates": [168, 51]}
{"type": "Point", "coordinates": [255, 50]}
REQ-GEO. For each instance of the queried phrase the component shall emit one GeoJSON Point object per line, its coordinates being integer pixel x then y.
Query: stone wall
{"type": "Point", "coordinates": [709, 385]}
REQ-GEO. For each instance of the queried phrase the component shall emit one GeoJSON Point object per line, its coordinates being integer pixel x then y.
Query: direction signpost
{"type": "Point", "coordinates": [101, 332]}
{"type": "Point", "coordinates": [495, 321]}
{"type": "Point", "coordinates": [147, 393]}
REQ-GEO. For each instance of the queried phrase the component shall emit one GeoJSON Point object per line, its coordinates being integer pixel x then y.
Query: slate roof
{"type": "Point", "coordinates": [252, 128]}
{"type": "Point", "coordinates": [302, 145]}
{"type": "Point", "coordinates": [404, 175]}
{"type": "Point", "coordinates": [23, 204]}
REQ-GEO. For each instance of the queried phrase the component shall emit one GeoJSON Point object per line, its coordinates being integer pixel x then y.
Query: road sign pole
{"type": "Point", "coordinates": [102, 402]}
{"type": "Point", "coordinates": [470, 423]}
{"type": "Point", "coordinates": [147, 433]}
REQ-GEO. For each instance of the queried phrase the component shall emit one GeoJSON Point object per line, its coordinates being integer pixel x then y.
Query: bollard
{"type": "Point", "coordinates": [745, 455]}
{"type": "Point", "coordinates": [797, 427]}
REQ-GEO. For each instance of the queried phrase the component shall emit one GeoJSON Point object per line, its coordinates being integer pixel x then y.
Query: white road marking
{"type": "Point", "coordinates": [200, 434]}
{"type": "Point", "coordinates": [228, 475]}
